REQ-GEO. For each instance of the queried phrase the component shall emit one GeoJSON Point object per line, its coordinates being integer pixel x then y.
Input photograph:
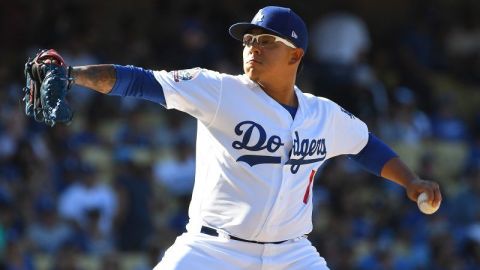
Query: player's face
{"type": "Point", "coordinates": [265, 56]}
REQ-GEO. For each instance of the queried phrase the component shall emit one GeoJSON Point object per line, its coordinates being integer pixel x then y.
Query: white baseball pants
{"type": "Point", "coordinates": [204, 252]}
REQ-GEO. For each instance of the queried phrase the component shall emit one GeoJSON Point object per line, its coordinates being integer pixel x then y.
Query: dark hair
{"type": "Point", "coordinates": [300, 66]}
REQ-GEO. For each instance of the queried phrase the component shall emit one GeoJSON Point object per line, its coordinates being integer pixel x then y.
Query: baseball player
{"type": "Point", "coordinates": [260, 140]}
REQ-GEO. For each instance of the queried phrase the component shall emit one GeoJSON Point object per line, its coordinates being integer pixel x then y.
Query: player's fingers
{"type": "Point", "coordinates": [431, 195]}
{"type": "Point", "coordinates": [437, 199]}
{"type": "Point", "coordinates": [433, 192]}
{"type": "Point", "coordinates": [417, 188]}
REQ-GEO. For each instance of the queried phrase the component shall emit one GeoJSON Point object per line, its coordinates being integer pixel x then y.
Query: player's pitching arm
{"type": "Point", "coordinates": [396, 171]}
{"type": "Point", "coordinates": [379, 159]}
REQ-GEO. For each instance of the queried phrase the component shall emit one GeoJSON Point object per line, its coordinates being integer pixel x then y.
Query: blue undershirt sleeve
{"type": "Point", "coordinates": [137, 82]}
{"type": "Point", "coordinates": [374, 155]}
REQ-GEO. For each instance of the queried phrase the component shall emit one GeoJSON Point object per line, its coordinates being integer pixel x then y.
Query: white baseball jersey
{"type": "Point", "coordinates": [255, 164]}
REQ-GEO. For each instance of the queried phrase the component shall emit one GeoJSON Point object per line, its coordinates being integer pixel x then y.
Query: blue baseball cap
{"type": "Point", "coordinates": [279, 21]}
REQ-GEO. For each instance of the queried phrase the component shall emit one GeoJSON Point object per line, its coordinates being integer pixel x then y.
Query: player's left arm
{"type": "Point", "coordinates": [378, 158]}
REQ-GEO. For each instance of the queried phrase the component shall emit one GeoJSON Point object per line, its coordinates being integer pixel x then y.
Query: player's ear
{"type": "Point", "coordinates": [296, 55]}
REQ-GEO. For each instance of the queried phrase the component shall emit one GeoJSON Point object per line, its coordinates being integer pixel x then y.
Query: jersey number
{"type": "Point", "coordinates": [307, 192]}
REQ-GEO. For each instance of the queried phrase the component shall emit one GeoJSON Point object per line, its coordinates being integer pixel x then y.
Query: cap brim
{"type": "Point", "coordinates": [239, 29]}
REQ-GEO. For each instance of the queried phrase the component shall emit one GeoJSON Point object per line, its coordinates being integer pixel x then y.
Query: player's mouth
{"type": "Point", "coordinates": [253, 61]}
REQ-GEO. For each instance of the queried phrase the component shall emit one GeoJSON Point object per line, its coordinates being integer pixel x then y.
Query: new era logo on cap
{"type": "Point", "coordinates": [279, 21]}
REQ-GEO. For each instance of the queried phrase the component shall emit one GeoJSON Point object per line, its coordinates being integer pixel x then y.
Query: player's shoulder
{"type": "Point", "coordinates": [239, 78]}
{"type": "Point", "coordinates": [193, 74]}
{"type": "Point", "coordinates": [235, 81]}
{"type": "Point", "coordinates": [317, 105]}
{"type": "Point", "coordinates": [313, 98]}
{"type": "Point", "coordinates": [313, 101]}
{"type": "Point", "coordinates": [208, 74]}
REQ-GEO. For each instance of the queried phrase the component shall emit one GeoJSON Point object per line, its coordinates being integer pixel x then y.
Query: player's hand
{"type": "Point", "coordinates": [47, 82]}
{"type": "Point", "coordinates": [417, 186]}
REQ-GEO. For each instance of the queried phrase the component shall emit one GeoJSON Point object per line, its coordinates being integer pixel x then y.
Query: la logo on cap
{"type": "Point", "coordinates": [279, 21]}
{"type": "Point", "coordinates": [258, 17]}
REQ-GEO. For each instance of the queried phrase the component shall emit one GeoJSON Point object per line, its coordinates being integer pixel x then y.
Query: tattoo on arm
{"type": "Point", "coordinates": [100, 78]}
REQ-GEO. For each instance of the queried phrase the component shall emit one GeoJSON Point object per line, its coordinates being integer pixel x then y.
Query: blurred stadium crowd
{"type": "Point", "coordinates": [111, 190]}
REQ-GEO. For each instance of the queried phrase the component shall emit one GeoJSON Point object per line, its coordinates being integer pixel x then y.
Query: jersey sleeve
{"type": "Point", "coordinates": [349, 134]}
{"type": "Point", "coordinates": [194, 91]}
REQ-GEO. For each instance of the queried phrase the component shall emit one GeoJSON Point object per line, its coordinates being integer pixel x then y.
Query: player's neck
{"type": "Point", "coordinates": [282, 92]}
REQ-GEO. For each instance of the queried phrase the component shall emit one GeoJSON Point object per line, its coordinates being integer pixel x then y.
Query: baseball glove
{"type": "Point", "coordinates": [47, 82]}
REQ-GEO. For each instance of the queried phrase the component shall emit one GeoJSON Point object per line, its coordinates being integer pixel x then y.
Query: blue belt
{"type": "Point", "coordinates": [213, 232]}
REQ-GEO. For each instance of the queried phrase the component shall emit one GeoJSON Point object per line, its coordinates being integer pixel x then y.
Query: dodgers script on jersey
{"type": "Point", "coordinates": [255, 163]}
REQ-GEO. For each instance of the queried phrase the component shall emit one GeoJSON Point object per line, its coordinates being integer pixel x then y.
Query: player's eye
{"type": "Point", "coordinates": [266, 40]}
{"type": "Point", "coordinates": [248, 40]}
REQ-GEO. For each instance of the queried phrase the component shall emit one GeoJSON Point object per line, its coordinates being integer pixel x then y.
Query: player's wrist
{"type": "Point", "coordinates": [70, 77]}
{"type": "Point", "coordinates": [415, 186]}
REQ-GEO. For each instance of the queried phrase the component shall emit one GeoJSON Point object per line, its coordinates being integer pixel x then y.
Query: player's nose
{"type": "Point", "coordinates": [254, 48]}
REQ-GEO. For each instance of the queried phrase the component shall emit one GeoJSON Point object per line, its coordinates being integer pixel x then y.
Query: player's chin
{"type": "Point", "coordinates": [252, 71]}
{"type": "Point", "coordinates": [252, 74]}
